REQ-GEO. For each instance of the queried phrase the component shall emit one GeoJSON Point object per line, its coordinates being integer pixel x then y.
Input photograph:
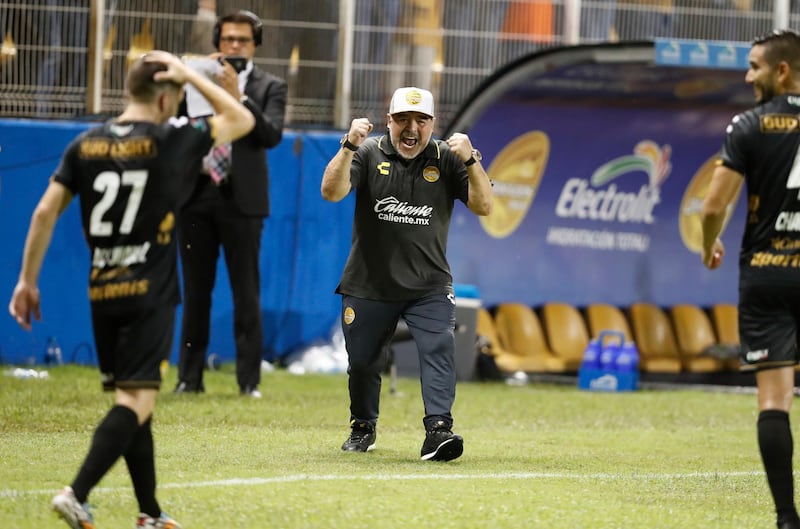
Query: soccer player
{"type": "Point", "coordinates": [406, 184]}
{"type": "Point", "coordinates": [131, 177]}
{"type": "Point", "coordinates": [761, 150]}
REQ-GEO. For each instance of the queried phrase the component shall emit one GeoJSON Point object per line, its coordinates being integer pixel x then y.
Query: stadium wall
{"type": "Point", "coordinates": [600, 161]}
{"type": "Point", "coordinates": [304, 247]}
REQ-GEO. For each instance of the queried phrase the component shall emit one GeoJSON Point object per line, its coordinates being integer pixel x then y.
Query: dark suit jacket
{"type": "Point", "coordinates": [248, 183]}
{"type": "Point", "coordinates": [249, 178]}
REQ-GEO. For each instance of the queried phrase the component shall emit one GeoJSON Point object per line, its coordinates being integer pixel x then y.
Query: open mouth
{"type": "Point", "coordinates": [409, 142]}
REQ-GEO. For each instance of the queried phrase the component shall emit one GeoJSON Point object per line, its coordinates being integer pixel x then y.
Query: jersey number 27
{"type": "Point", "coordinates": [108, 183]}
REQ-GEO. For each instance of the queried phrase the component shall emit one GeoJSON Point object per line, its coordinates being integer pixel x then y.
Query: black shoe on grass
{"type": "Point", "coordinates": [362, 438]}
{"type": "Point", "coordinates": [441, 444]}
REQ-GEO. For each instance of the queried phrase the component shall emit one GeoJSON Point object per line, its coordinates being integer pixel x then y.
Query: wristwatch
{"type": "Point", "coordinates": [476, 157]}
{"type": "Point", "coordinates": [347, 144]}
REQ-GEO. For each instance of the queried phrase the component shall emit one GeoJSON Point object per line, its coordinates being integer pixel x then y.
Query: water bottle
{"type": "Point", "coordinates": [591, 355]}
{"type": "Point", "coordinates": [608, 357]}
{"type": "Point", "coordinates": [52, 353]}
{"type": "Point", "coordinates": [628, 358]}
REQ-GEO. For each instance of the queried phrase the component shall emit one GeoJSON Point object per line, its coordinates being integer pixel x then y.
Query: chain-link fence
{"type": "Point", "coordinates": [67, 58]}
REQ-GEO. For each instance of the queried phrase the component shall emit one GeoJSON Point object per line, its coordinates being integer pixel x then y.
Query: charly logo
{"type": "Point", "coordinates": [430, 173]}
{"type": "Point", "coordinates": [689, 220]}
{"type": "Point", "coordinates": [582, 199]}
{"type": "Point", "coordinates": [349, 315]}
{"type": "Point", "coordinates": [516, 172]}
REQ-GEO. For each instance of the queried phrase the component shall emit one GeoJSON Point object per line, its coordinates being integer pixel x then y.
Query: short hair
{"type": "Point", "coordinates": [139, 83]}
{"type": "Point", "coordinates": [781, 45]}
{"type": "Point", "coordinates": [239, 17]}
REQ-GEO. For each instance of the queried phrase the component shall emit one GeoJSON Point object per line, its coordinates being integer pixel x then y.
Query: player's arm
{"type": "Point", "coordinates": [336, 178]}
{"type": "Point", "coordinates": [480, 190]}
{"type": "Point", "coordinates": [231, 120]}
{"type": "Point", "coordinates": [25, 299]}
{"type": "Point", "coordinates": [725, 184]}
{"type": "Point", "coordinates": [479, 199]}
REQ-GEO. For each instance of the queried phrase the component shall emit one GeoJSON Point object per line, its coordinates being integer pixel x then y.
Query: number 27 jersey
{"type": "Point", "coordinates": [131, 179]}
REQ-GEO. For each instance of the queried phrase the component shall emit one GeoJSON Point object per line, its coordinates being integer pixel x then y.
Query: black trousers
{"type": "Point", "coordinates": [368, 325]}
{"type": "Point", "coordinates": [209, 221]}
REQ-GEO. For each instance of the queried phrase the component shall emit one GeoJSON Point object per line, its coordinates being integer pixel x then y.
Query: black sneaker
{"type": "Point", "coordinates": [362, 438]}
{"type": "Point", "coordinates": [441, 444]}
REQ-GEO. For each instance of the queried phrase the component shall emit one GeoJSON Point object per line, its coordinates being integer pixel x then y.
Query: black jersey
{"type": "Point", "coordinates": [762, 144]}
{"type": "Point", "coordinates": [402, 216]}
{"type": "Point", "coordinates": [131, 179]}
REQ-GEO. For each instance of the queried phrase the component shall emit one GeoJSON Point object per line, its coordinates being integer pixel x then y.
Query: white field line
{"type": "Point", "coordinates": [237, 482]}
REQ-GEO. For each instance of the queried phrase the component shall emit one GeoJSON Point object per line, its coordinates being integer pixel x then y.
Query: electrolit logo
{"type": "Point", "coordinates": [669, 52]}
{"type": "Point", "coordinates": [589, 200]}
{"type": "Point", "coordinates": [699, 55]}
{"type": "Point", "coordinates": [727, 57]}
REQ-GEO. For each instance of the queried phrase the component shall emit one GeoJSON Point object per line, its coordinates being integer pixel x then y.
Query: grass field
{"type": "Point", "coordinates": [545, 456]}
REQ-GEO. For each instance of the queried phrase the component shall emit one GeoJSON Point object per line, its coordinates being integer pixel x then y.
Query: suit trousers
{"type": "Point", "coordinates": [209, 221]}
{"type": "Point", "coordinates": [368, 326]}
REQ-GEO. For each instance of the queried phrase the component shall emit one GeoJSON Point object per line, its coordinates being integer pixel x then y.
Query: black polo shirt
{"type": "Point", "coordinates": [762, 144]}
{"type": "Point", "coordinates": [401, 222]}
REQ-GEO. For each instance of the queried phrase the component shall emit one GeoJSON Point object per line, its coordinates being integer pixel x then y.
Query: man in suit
{"type": "Point", "coordinates": [228, 208]}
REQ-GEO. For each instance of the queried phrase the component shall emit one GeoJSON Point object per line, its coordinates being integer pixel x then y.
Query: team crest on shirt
{"type": "Point", "coordinates": [430, 173]}
{"type": "Point", "coordinates": [349, 315]}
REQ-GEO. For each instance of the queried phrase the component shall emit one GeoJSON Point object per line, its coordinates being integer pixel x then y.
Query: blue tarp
{"type": "Point", "coordinates": [304, 247]}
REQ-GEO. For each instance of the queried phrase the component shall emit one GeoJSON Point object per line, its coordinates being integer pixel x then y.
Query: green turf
{"type": "Point", "coordinates": [545, 456]}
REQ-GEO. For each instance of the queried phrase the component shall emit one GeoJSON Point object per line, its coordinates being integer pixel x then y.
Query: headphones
{"type": "Point", "coordinates": [255, 22]}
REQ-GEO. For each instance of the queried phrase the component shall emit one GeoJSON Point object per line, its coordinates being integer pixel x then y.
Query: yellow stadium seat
{"type": "Point", "coordinates": [566, 333]}
{"type": "Point", "coordinates": [521, 335]}
{"type": "Point", "coordinates": [603, 317]}
{"type": "Point", "coordinates": [652, 331]}
{"type": "Point", "coordinates": [726, 323]}
{"type": "Point", "coordinates": [695, 335]}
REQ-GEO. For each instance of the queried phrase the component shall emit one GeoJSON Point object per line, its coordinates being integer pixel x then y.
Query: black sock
{"type": "Point", "coordinates": [111, 439]}
{"type": "Point", "coordinates": [776, 445]}
{"type": "Point", "coordinates": [140, 459]}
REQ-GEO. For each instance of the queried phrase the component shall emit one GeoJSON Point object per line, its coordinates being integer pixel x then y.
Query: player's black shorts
{"type": "Point", "coordinates": [769, 318]}
{"type": "Point", "coordinates": [133, 349]}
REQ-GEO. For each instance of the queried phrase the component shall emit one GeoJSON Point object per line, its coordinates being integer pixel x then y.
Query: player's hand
{"type": "Point", "coordinates": [24, 302]}
{"type": "Point", "coordinates": [460, 145]}
{"type": "Point", "coordinates": [359, 130]}
{"type": "Point", "coordinates": [176, 71]}
{"type": "Point", "coordinates": [712, 257]}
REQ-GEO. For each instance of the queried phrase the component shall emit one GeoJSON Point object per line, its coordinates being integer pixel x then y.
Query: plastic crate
{"type": "Point", "coordinates": [611, 381]}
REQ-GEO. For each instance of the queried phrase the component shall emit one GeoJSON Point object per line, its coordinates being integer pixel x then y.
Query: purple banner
{"type": "Point", "coordinates": [595, 204]}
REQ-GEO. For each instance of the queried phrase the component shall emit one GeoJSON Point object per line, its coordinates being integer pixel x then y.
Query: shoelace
{"type": "Point", "coordinates": [359, 435]}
